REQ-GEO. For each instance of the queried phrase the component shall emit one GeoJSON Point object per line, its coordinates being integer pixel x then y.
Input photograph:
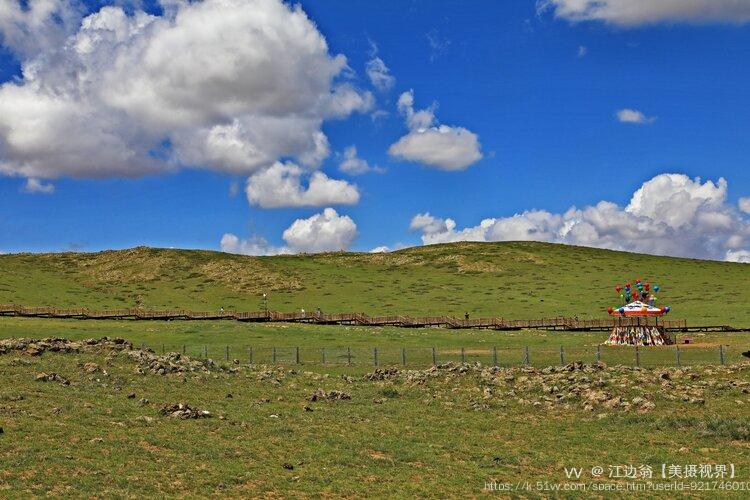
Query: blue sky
{"type": "Point", "coordinates": [539, 90]}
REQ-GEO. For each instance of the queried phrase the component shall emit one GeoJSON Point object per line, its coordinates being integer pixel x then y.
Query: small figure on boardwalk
{"type": "Point", "coordinates": [466, 316]}
{"type": "Point", "coordinates": [303, 311]}
{"type": "Point", "coordinates": [318, 312]}
{"type": "Point", "coordinates": [221, 309]}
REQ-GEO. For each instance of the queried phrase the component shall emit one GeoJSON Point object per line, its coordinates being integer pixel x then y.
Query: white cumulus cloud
{"type": "Point", "coordinates": [744, 204]}
{"type": "Point", "coordinates": [228, 85]}
{"type": "Point", "coordinates": [323, 232]}
{"type": "Point", "coordinates": [255, 245]}
{"type": "Point", "coordinates": [627, 115]}
{"type": "Point", "coordinates": [36, 186]}
{"type": "Point", "coordinates": [280, 185]}
{"type": "Point", "coordinates": [379, 74]}
{"type": "Point", "coordinates": [639, 12]}
{"type": "Point", "coordinates": [440, 146]}
{"type": "Point", "coordinates": [354, 165]}
{"type": "Point", "coordinates": [670, 214]}
{"type": "Point", "coordinates": [742, 256]}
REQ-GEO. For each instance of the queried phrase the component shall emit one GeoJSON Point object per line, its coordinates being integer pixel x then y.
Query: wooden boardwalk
{"type": "Point", "coordinates": [361, 319]}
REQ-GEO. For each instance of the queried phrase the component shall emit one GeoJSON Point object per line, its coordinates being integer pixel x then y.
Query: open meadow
{"type": "Point", "coordinates": [287, 409]}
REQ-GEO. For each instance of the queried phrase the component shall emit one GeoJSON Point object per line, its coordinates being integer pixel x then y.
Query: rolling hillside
{"type": "Point", "coordinates": [514, 280]}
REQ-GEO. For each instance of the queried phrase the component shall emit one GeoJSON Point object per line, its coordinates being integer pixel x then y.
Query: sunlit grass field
{"type": "Point", "coordinates": [445, 437]}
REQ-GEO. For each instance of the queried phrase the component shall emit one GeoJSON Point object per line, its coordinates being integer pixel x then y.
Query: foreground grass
{"type": "Point", "coordinates": [440, 438]}
{"type": "Point", "coordinates": [516, 280]}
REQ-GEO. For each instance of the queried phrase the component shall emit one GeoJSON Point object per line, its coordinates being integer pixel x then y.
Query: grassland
{"type": "Point", "coordinates": [416, 432]}
{"type": "Point", "coordinates": [429, 433]}
{"type": "Point", "coordinates": [222, 339]}
{"type": "Point", "coordinates": [515, 280]}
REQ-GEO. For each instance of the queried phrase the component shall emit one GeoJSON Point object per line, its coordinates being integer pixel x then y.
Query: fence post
{"type": "Point", "coordinates": [598, 354]}
{"type": "Point", "coordinates": [323, 353]}
{"type": "Point", "coordinates": [250, 356]}
{"type": "Point", "coordinates": [526, 355]}
{"type": "Point", "coordinates": [205, 351]}
{"type": "Point", "coordinates": [434, 357]}
{"type": "Point", "coordinates": [163, 349]}
{"type": "Point", "coordinates": [637, 356]}
{"type": "Point", "coordinates": [143, 346]}
{"type": "Point", "coordinates": [494, 356]}
{"type": "Point", "coordinates": [375, 355]}
{"type": "Point", "coordinates": [296, 355]}
{"type": "Point", "coordinates": [463, 355]}
{"type": "Point", "coordinates": [349, 355]}
{"type": "Point", "coordinates": [183, 348]}
{"type": "Point", "coordinates": [721, 353]}
{"type": "Point", "coordinates": [274, 355]}
{"type": "Point", "coordinates": [226, 353]}
{"type": "Point", "coordinates": [562, 355]}
{"type": "Point", "coordinates": [679, 362]}
{"type": "Point", "coordinates": [403, 356]}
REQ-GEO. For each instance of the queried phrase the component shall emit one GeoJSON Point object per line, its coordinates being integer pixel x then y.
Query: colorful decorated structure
{"type": "Point", "coordinates": [637, 319]}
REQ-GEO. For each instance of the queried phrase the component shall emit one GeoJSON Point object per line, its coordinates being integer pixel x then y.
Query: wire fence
{"type": "Point", "coordinates": [652, 356]}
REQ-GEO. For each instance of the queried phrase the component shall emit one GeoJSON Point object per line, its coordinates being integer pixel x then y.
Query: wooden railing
{"type": "Point", "coordinates": [495, 323]}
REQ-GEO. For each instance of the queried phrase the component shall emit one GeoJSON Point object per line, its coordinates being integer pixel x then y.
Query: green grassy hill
{"type": "Point", "coordinates": [514, 280]}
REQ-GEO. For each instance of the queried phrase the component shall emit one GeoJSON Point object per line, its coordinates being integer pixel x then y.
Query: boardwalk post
{"type": "Point", "coordinates": [274, 355]}
{"type": "Point", "coordinates": [296, 355]}
{"type": "Point", "coordinates": [183, 348]}
{"type": "Point", "coordinates": [637, 356]}
{"type": "Point", "coordinates": [494, 356]}
{"type": "Point", "coordinates": [163, 349]}
{"type": "Point", "coordinates": [526, 359]}
{"type": "Point", "coordinates": [143, 346]}
{"type": "Point", "coordinates": [349, 355]}
{"type": "Point", "coordinates": [323, 354]}
{"type": "Point", "coordinates": [250, 356]}
{"type": "Point", "coordinates": [598, 354]}
{"type": "Point", "coordinates": [375, 355]}
{"type": "Point", "coordinates": [679, 361]}
{"type": "Point", "coordinates": [205, 351]}
{"type": "Point", "coordinates": [721, 353]}
{"type": "Point", "coordinates": [226, 353]}
{"type": "Point", "coordinates": [463, 355]}
{"type": "Point", "coordinates": [562, 356]}
{"type": "Point", "coordinates": [403, 356]}
{"type": "Point", "coordinates": [434, 357]}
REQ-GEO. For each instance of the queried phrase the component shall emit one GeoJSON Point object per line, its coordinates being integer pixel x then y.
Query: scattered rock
{"type": "Point", "coordinates": [148, 361]}
{"type": "Point", "coordinates": [131, 395]}
{"type": "Point", "coordinates": [333, 395]}
{"type": "Point", "coordinates": [183, 411]}
{"type": "Point", "coordinates": [91, 367]}
{"type": "Point", "coordinates": [33, 350]}
{"type": "Point", "coordinates": [142, 402]}
{"type": "Point", "coordinates": [287, 466]}
{"type": "Point", "coordinates": [52, 377]}
{"type": "Point", "coordinates": [381, 374]}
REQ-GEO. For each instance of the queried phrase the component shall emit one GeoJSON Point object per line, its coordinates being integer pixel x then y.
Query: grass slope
{"type": "Point", "coordinates": [515, 280]}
